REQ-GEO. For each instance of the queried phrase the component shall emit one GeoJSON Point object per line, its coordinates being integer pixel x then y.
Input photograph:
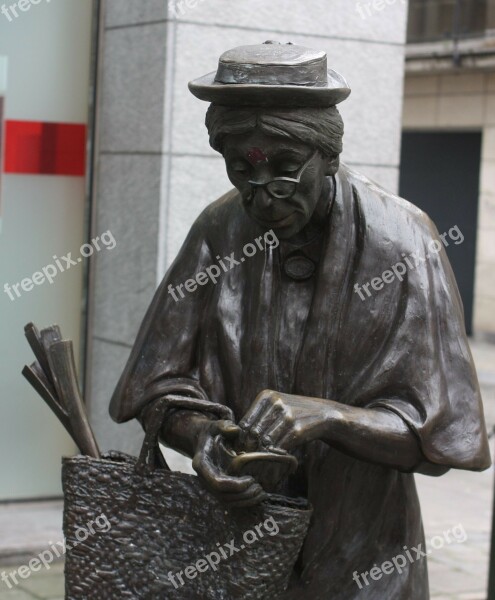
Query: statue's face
{"type": "Point", "coordinates": [261, 158]}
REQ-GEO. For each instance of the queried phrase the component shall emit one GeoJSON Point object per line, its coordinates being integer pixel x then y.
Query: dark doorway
{"type": "Point", "coordinates": [440, 174]}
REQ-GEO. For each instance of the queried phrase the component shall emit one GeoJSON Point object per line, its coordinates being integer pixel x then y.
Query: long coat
{"type": "Point", "coordinates": [403, 348]}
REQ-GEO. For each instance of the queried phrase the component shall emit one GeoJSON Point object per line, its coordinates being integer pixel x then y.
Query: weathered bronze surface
{"type": "Point", "coordinates": [363, 389]}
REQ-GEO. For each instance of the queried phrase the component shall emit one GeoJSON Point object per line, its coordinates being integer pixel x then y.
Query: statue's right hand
{"type": "Point", "coordinates": [208, 462]}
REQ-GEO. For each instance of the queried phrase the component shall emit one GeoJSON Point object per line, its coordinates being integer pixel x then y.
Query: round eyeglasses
{"type": "Point", "coordinates": [282, 188]}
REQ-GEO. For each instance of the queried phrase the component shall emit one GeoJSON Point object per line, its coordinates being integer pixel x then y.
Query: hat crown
{"type": "Point", "coordinates": [273, 63]}
{"type": "Point", "coordinates": [273, 53]}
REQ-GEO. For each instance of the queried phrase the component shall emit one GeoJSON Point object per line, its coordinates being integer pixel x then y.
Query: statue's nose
{"type": "Point", "coordinates": [262, 199]}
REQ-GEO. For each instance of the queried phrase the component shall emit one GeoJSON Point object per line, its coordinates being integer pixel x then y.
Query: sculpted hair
{"type": "Point", "coordinates": [321, 128]}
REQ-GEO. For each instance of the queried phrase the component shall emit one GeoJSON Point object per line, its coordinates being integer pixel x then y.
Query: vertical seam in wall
{"type": "Point", "coordinates": [436, 96]}
{"type": "Point", "coordinates": [399, 124]}
{"type": "Point", "coordinates": [99, 12]}
{"type": "Point", "coordinates": [166, 167]}
{"type": "Point", "coordinates": [476, 318]}
{"type": "Point", "coordinates": [485, 103]}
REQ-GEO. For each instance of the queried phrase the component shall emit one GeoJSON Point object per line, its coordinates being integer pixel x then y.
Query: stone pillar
{"type": "Point", "coordinates": [129, 187]}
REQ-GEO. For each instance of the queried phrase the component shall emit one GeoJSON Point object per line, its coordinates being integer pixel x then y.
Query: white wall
{"type": "Point", "coordinates": [48, 54]}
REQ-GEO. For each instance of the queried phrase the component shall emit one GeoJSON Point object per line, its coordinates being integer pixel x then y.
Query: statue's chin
{"type": "Point", "coordinates": [287, 234]}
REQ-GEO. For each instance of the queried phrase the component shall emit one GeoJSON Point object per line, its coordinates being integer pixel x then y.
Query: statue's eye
{"type": "Point", "coordinates": [289, 168]}
{"type": "Point", "coordinates": [239, 168]}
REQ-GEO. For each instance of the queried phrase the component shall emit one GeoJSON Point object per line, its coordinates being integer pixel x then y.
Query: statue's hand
{"type": "Point", "coordinates": [208, 462]}
{"type": "Point", "coordinates": [284, 420]}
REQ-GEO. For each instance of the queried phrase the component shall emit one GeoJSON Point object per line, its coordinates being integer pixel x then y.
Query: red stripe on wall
{"type": "Point", "coordinates": [33, 147]}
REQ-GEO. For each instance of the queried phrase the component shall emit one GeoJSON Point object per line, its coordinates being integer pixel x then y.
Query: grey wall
{"type": "Point", "coordinates": [156, 170]}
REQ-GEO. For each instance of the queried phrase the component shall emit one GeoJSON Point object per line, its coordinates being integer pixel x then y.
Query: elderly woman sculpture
{"type": "Point", "coordinates": [363, 389]}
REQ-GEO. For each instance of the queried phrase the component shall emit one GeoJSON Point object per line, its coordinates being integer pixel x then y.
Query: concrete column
{"type": "Point", "coordinates": [132, 125]}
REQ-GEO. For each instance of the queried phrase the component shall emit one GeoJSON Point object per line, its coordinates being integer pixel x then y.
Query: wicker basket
{"type": "Point", "coordinates": [160, 523]}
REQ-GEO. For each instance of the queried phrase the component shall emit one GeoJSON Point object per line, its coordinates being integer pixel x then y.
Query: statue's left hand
{"type": "Point", "coordinates": [285, 420]}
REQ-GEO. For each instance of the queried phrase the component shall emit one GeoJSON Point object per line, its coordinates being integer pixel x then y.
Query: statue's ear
{"type": "Point", "coordinates": [332, 165]}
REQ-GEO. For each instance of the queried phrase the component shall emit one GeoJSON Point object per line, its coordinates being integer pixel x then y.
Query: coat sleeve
{"type": "Point", "coordinates": [412, 356]}
{"type": "Point", "coordinates": [441, 402]}
{"type": "Point", "coordinates": [164, 356]}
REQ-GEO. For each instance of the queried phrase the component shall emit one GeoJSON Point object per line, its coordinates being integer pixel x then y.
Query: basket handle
{"type": "Point", "coordinates": [151, 457]}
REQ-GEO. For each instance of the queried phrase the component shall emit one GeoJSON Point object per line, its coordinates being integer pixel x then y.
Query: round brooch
{"type": "Point", "coordinates": [299, 267]}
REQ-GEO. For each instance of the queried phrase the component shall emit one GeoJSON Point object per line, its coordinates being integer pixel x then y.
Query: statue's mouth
{"type": "Point", "coordinates": [278, 222]}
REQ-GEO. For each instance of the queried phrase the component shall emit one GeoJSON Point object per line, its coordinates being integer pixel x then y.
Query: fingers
{"type": "Point", "coordinates": [256, 410]}
{"type": "Point", "coordinates": [277, 433]}
{"type": "Point", "coordinates": [253, 495]}
{"type": "Point", "coordinates": [265, 419]}
{"type": "Point", "coordinates": [249, 498]}
{"type": "Point", "coordinates": [228, 429]}
{"type": "Point", "coordinates": [235, 491]}
{"type": "Point", "coordinates": [269, 421]}
{"type": "Point", "coordinates": [214, 477]}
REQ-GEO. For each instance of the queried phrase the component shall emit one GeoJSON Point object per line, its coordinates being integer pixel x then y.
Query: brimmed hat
{"type": "Point", "coordinates": [272, 74]}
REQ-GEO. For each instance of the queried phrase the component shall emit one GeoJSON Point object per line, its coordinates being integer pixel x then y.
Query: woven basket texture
{"type": "Point", "coordinates": [163, 522]}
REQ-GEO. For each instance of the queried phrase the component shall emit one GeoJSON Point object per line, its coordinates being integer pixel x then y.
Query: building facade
{"type": "Point", "coordinates": [449, 95]}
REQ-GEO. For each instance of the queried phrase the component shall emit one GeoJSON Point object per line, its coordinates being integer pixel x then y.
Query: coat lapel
{"type": "Point", "coordinates": [316, 365]}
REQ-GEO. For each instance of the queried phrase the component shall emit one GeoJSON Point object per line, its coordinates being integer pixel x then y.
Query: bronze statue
{"type": "Point", "coordinates": [263, 311]}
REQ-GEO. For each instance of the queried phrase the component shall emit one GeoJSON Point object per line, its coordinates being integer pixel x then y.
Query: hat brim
{"type": "Point", "coordinates": [244, 94]}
